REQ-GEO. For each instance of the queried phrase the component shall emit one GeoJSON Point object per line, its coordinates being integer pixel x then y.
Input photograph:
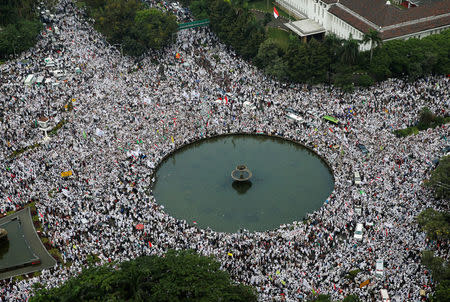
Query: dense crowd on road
{"type": "Point", "coordinates": [125, 114]}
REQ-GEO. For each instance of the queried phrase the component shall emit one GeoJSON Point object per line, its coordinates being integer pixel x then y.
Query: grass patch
{"type": "Point", "coordinates": [406, 132]}
{"type": "Point", "coordinates": [56, 254]}
{"type": "Point", "coordinates": [415, 130]}
{"type": "Point", "coordinates": [262, 6]}
{"type": "Point", "coordinates": [57, 127]}
{"type": "Point", "coordinates": [18, 278]}
{"type": "Point", "coordinates": [32, 205]}
{"type": "Point", "coordinates": [281, 37]}
{"type": "Point", "coordinates": [20, 151]}
{"type": "Point", "coordinates": [351, 275]}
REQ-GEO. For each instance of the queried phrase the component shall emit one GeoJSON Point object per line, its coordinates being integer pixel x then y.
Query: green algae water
{"type": "Point", "coordinates": [288, 181]}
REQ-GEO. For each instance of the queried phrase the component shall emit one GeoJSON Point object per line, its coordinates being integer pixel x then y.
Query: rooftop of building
{"type": "Point", "coordinates": [391, 20]}
{"type": "Point", "coordinates": [381, 14]}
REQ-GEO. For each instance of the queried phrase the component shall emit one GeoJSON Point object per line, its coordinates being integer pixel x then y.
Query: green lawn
{"type": "Point", "coordinates": [262, 5]}
{"type": "Point", "coordinates": [280, 36]}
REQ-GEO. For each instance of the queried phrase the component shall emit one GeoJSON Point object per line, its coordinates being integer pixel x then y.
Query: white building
{"type": "Point", "coordinates": [357, 17]}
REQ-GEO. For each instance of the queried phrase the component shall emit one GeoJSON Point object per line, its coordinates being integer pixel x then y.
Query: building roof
{"type": "Point", "coordinates": [390, 20]}
{"type": "Point", "coordinates": [350, 19]}
{"type": "Point", "coordinates": [377, 12]}
{"type": "Point", "coordinates": [414, 28]}
{"type": "Point", "coordinates": [329, 1]}
{"type": "Point", "coordinates": [305, 27]}
{"type": "Point", "coordinates": [423, 2]}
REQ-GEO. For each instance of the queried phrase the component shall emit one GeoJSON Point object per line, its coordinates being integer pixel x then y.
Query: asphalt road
{"type": "Point", "coordinates": [35, 243]}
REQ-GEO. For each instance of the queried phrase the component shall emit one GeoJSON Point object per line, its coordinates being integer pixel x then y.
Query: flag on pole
{"type": "Point", "coordinates": [275, 12]}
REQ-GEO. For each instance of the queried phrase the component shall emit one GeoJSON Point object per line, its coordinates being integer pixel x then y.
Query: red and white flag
{"type": "Point", "coordinates": [275, 12]}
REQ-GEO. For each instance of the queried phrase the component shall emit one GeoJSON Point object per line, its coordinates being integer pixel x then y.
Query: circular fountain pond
{"type": "Point", "coordinates": [288, 181]}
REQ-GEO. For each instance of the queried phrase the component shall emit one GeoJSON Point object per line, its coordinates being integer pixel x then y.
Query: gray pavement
{"type": "Point", "coordinates": [35, 243]}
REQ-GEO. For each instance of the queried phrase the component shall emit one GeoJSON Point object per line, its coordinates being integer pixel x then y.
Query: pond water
{"type": "Point", "coordinates": [288, 181]}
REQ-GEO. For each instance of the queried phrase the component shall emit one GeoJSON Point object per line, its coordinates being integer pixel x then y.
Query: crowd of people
{"type": "Point", "coordinates": [127, 116]}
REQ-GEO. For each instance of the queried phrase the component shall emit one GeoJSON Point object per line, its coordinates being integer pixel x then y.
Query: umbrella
{"type": "Point", "coordinates": [140, 226]}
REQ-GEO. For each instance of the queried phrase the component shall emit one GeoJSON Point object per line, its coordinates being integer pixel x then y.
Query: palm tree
{"type": "Point", "coordinates": [373, 37]}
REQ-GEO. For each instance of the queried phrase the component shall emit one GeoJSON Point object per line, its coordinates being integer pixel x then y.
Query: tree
{"type": "Point", "coordinates": [319, 61]}
{"type": "Point", "coordinates": [178, 276]}
{"type": "Point", "coordinates": [350, 51]}
{"type": "Point", "coordinates": [320, 298]}
{"type": "Point", "coordinates": [236, 26]}
{"type": "Point", "coordinates": [373, 37]}
{"type": "Point", "coordinates": [440, 178]}
{"type": "Point", "coordinates": [154, 28]}
{"type": "Point", "coordinates": [440, 271]}
{"type": "Point", "coordinates": [267, 18]}
{"type": "Point", "coordinates": [437, 265]}
{"type": "Point", "coordinates": [19, 27]}
{"type": "Point", "coordinates": [200, 9]}
{"type": "Point", "coordinates": [435, 224]}
{"type": "Point", "coordinates": [268, 52]}
{"type": "Point", "coordinates": [442, 292]}
{"type": "Point", "coordinates": [129, 23]}
{"type": "Point", "coordinates": [333, 44]}
{"type": "Point", "coordinates": [307, 62]}
{"type": "Point", "coordinates": [426, 118]}
{"type": "Point", "coordinates": [12, 11]}
{"type": "Point", "coordinates": [277, 69]}
{"type": "Point", "coordinates": [351, 298]}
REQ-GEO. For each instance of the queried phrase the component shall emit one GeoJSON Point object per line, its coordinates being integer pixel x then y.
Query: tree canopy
{"type": "Point", "coordinates": [177, 276]}
{"type": "Point", "coordinates": [440, 271]}
{"type": "Point", "coordinates": [436, 224]}
{"type": "Point", "coordinates": [333, 60]}
{"type": "Point", "coordinates": [373, 37]}
{"type": "Point", "coordinates": [131, 24]}
{"type": "Point", "coordinates": [440, 178]}
{"type": "Point", "coordinates": [19, 26]}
